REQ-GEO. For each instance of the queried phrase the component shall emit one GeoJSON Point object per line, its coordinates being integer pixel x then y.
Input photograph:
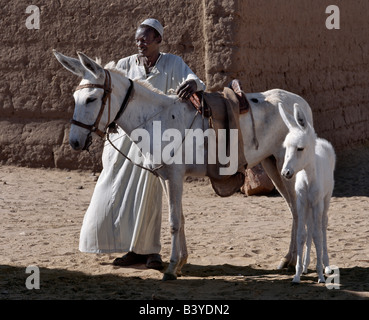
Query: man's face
{"type": "Point", "coordinates": [146, 42]}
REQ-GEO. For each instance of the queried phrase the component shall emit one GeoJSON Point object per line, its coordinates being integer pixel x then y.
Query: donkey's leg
{"type": "Point", "coordinates": [183, 245]}
{"type": "Point", "coordinates": [287, 190]}
{"type": "Point", "coordinates": [175, 189]}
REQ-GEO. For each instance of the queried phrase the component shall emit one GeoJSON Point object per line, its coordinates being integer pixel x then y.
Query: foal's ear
{"type": "Point", "coordinates": [95, 69]}
{"type": "Point", "coordinates": [300, 117]}
{"type": "Point", "coordinates": [287, 119]}
{"type": "Point", "coordinates": [71, 64]}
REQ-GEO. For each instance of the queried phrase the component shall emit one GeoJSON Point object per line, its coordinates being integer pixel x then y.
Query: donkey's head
{"type": "Point", "coordinates": [299, 142]}
{"type": "Point", "coordinates": [89, 98]}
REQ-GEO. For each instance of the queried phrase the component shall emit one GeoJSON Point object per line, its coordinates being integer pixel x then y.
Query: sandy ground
{"type": "Point", "coordinates": [234, 243]}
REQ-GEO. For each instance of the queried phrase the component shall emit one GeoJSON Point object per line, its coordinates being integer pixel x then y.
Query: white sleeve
{"type": "Point", "coordinates": [185, 73]}
{"type": "Point", "coordinates": [123, 65]}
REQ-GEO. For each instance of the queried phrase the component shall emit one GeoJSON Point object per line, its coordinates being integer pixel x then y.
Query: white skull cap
{"type": "Point", "coordinates": [153, 23]}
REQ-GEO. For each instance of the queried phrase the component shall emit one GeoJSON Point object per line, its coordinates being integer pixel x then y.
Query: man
{"type": "Point", "coordinates": [125, 210]}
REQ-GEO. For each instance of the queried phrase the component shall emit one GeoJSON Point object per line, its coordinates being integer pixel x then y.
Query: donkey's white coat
{"type": "Point", "coordinates": [312, 160]}
{"type": "Point", "coordinates": [173, 113]}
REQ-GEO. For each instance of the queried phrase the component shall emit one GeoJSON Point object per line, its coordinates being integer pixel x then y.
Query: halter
{"type": "Point", "coordinates": [106, 96]}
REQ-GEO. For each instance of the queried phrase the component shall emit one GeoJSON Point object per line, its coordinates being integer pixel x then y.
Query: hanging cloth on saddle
{"type": "Point", "coordinates": [222, 109]}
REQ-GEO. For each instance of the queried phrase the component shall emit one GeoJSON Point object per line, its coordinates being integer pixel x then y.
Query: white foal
{"type": "Point", "coordinates": [313, 161]}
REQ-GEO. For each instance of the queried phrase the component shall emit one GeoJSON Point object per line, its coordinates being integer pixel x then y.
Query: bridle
{"type": "Point", "coordinates": [106, 97]}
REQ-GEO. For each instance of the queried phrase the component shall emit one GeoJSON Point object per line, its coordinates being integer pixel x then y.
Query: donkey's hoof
{"type": "Point", "coordinates": [321, 280]}
{"type": "Point", "coordinates": [296, 280]}
{"type": "Point", "coordinates": [169, 276]}
{"type": "Point", "coordinates": [282, 264]}
{"type": "Point", "coordinates": [286, 264]}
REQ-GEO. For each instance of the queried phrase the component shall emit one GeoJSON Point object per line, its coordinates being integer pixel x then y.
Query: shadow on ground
{"type": "Point", "coordinates": [215, 282]}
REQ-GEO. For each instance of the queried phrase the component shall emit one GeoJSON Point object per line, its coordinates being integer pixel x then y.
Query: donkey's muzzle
{"type": "Point", "coordinates": [76, 145]}
{"type": "Point", "coordinates": [287, 173]}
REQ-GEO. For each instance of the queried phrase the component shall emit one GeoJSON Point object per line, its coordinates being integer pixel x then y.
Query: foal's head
{"type": "Point", "coordinates": [299, 142]}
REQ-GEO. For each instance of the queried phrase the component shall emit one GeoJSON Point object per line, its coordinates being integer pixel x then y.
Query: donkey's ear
{"type": "Point", "coordinates": [300, 117]}
{"type": "Point", "coordinates": [71, 64]}
{"type": "Point", "coordinates": [287, 119]}
{"type": "Point", "coordinates": [95, 69]}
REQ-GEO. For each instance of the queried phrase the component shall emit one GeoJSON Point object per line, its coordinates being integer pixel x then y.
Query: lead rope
{"type": "Point", "coordinates": [153, 171]}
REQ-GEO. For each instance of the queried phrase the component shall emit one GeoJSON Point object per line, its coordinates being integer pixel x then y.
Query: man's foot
{"type": "Point", "coordinates": [154, 262]}
{"type": "Point", "coordinates": [130, 259]}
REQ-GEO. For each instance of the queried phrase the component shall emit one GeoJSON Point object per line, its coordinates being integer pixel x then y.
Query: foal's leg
{"type": "Point", "coordinates": [318, 237]}
{"type": "Point", "coordinates": [324, 231]}
{"type": "Point", "coordinates": [309, 239]}
{"type": "Point", "coordinates": [301, 238]}
{"type": "Point", "coordinates": [287, 190]}
{"type": "Point", "coordinates": [175, 189]}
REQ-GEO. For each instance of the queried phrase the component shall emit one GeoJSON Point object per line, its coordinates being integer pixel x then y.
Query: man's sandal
{"type": "Point", "coordinates": [130, 259]}
{"type": "Point", "coordinates": [154, 262]}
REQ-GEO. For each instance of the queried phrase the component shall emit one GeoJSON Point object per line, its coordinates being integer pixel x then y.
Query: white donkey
{"type": "Point", "coordinates": [103, 92]}
{"type": "Point", "coordinates": [312, 160]}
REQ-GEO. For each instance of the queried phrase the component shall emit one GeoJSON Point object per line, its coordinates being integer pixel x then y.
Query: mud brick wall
{"type": "Point", "coordinates": [284, 44]}
{"type": "Point", "coordinates": [36, 99]}
{"type": "Point", "coordinates": [266, 44]}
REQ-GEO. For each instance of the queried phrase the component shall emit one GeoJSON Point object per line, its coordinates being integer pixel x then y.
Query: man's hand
{"type": "Point", "coordinates": [187, 89]}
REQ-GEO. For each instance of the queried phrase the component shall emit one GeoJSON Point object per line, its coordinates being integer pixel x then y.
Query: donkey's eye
{"type": "Point", "coordinates": [89, 100]}
{"type": "Point", "coordinates": [300, 149]}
